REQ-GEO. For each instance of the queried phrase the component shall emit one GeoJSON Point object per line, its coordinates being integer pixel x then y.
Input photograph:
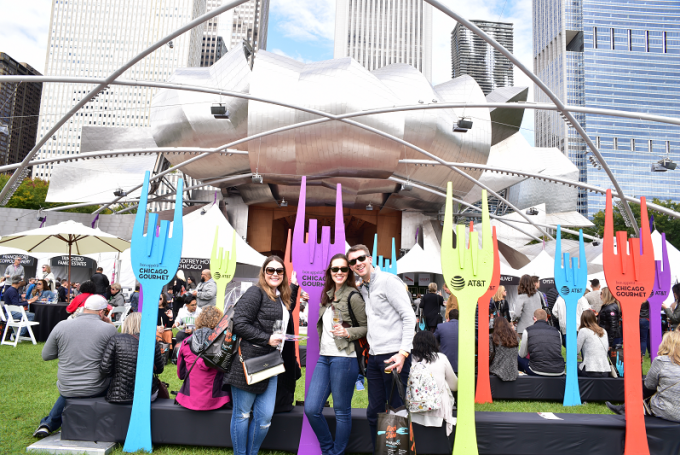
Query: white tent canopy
{"type": "Point", "coordinates": [542, 266]}
{"type": "Point", "coordinates": [417, 260]}
{"type": "Point", "coordinates": [199, 234]}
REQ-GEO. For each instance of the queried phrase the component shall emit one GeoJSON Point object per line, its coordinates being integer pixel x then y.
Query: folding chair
{"type": "Point", "coordinates": [122, 311]}
{"type": "Point", "coordinates": [17, 325]}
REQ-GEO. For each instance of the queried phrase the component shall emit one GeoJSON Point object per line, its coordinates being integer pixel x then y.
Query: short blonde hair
{"type": "Point", "coordinates": [132, 324]}
{"type": "Point", "coordinates": [670, 346]}
{"type": "Point", "coordinates": [432, 287]}
{"type": "Point", "coordinates": [116, 286]}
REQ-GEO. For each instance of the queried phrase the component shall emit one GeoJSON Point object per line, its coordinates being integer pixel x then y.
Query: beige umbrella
{"type": "Point", "coordinates": [67, 237]}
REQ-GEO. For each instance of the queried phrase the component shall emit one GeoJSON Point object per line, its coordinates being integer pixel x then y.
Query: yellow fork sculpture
{"type": "Point", "coordinates": [222, 267]}
{"type": "Point", "coordinates": [467, 272]}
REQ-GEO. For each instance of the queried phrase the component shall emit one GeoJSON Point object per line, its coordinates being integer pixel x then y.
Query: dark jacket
{"type": "Point", "coordinates": [501, 308]}
{"type": "Point", "coordinates": [644, 311]}
{"type": "Point", "coordinates": [120, 362]}
{"type": "Point", "coordinates": [101, 283]}
{"type": "Point", "coordinates": [254, 316]}
{"type": "Point", "coordinates": [551, 297]}
{"type": "Point", "coordinates": [447, 336]}
{"type": "Point", "coordinates": [430, 303]}
{"type": "Point", "coordinates": [609, 319]}
{"type": "Point", "coordinates": [545, 348]}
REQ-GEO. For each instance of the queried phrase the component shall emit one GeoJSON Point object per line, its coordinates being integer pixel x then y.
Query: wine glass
{"type": "Point", "coordinates": [278, 330]}
{"type": "Point", "coordinates": [337, 320]}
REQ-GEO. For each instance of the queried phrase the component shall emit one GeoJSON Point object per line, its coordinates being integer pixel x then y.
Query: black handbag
{"type": "Point", "coordinates": [361, 346]}
{"type": "Point", "coordinates": [262, 367]}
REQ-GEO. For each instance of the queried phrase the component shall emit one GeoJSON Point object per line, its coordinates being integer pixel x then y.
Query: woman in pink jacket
{"type": "Point", "coordinates": [202, 388]}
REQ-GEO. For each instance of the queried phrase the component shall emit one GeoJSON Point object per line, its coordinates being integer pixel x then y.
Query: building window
{"type": "Point", "coordinates": [632, 145]}
{"type": "Point", "coordinates": [649, 146]}
{"type": "Point", "coordinates": [616, 143]}
{"type": "Point", "coordinates": [595, 37]}
{"type": "Point", "coordinates": [668, 147]}
{"type": "Point", "coordinates": [597, 141]}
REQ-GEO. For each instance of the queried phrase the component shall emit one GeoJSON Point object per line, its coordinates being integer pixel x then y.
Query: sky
{"type": "Point", "coordinates": [301, 29]}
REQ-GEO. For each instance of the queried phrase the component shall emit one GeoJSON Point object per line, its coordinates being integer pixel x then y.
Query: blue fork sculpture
{"type": "Point", "coordinates": [385, 264]}
{"type": "Point", "coordinates": [155, 257]}
{"type": "Point", "coordinates": [570, 282]}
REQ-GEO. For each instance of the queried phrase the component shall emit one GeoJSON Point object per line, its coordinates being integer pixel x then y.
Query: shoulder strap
{"type": "Point", "coordinates": [355, 323]}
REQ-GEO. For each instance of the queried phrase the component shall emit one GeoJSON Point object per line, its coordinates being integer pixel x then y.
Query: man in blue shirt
{"type": "Point", "coordinates": [447, 336]}
{"type": "Point", "coordinates": [12, 297]}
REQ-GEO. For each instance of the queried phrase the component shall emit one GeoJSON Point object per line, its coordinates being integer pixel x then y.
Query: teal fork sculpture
{"type": "Point", "coordinates": [155, 257]}
{"type": "Point", "coordinates": [385, 264]}
{"type": "Point", "coordinates": [570, 282]}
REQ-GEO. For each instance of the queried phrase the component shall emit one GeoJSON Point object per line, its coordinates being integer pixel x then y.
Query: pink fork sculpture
{"type": "Point", "coordinates": [662, 286]}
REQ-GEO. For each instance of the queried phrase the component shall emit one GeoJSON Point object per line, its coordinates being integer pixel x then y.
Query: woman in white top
{"type": "Point", "coordinates": [337, 369]}
{"type": "Point", "coordinates": [48, 276]}
{"type": "Point", "coordinates": [425, 350]}
{"type": "Point", "coordinates": [186, 319]}
{"type": "Point", "coordinates": [593, 342]}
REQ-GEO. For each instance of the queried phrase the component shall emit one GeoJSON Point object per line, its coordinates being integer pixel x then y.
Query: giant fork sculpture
{"type": "Point", "coordinates": [222, 266]}
{"type": "Point", "coordinates": [384, 264]}
{"type": "Point", "coordinates": [467, 272]}
{"type": "Point", "coordinates": [155, 257]}
{"type": "Point", "coordinates": [483, 393]}
{"type": "Point", "coordinates": [630, 277]}
{"type": "Point", "coordinates": [662, 286]}
{"type": "Point", "coordinates": [288, 264]}
{"type": "Point", "coordinates": [570, 282]}
{"type": "Point", "coordinates": [310, 261]}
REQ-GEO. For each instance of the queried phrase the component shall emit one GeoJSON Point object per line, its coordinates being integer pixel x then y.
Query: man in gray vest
{"type": "Point", "coordinates": [206, 291]}
{"type": "Point", "coordinates": [13, 270]}
{"type": "Point", "coordinates": [543, 344]}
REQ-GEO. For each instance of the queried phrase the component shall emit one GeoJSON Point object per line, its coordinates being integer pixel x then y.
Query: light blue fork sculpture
{"type": "Point", "coordinates": [570, 282]}
{"type": "Point", "coordinates": [385, 264]}
{"type": "Point", "coordinates": [155, 257]}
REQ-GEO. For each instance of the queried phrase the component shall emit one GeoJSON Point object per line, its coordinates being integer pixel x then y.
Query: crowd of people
{"type": "Point", "coordinates": [358, 302]}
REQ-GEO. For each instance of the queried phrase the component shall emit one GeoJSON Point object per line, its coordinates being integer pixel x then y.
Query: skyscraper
{"type": "Point", "coordinates": [379, 33]}
{"type": "Point", "coordinates": [19, 109]}
{"type": "Point", "coordinates": [472, 55]}
{"type": "Point", "coordinates": [249, 23]}
{"type": "Point", "coordinates": [616, 54]}
{"type": "Point", "coordinates": [94, 38]}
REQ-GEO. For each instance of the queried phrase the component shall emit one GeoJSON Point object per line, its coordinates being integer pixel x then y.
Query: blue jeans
{"type": "Point", "coordinates": [247, 436]}
{"type": "Point", "coordinates": [17, 317]}
{"type": "Point", "coordinates": [644, 336]}
{"type": "Point", "coordinates": [53, 420]}
{"type": "Point", "coordinates": [336, 375]}
{"type": "Point", "coordinates": [379, 387]}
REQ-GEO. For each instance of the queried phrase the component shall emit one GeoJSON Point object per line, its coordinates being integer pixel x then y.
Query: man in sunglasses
{"type": "Point", "coordinates": [391, 323]}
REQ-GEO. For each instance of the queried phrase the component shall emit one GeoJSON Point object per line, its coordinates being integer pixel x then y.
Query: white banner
{"type": "Point", "coordinates": [410, 278]}
{"type": "Point", "coordinates": [424, 280]}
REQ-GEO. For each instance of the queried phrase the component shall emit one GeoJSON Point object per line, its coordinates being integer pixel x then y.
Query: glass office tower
{"type": "Point", "coordinates": [615, 54]}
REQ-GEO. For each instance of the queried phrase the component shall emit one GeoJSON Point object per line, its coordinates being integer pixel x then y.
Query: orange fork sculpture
{"type": "Point", "coordinates": [630, 278]}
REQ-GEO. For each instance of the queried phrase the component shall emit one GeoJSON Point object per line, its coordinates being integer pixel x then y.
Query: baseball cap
{"type": "Point", "coordinates": [96, 302]}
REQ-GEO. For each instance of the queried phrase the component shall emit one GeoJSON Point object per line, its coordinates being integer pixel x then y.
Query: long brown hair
{"type": "Point", "coordinates": [503, 335]}
{"type": "Point", "coordinates": [328, 282]}
{"type": "Point", "coordinates": [45, 287]}
{"type": "Point", "coordinates": [607, 297]}
{"type": "Point", "coordinates": [589, 321]}
{"type": "Point", "coordinates": [526, 286]}
{"type": "Point", "coordinates": [284, 287]}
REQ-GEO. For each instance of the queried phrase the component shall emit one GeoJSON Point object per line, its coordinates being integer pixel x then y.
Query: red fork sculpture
{"type": "Point", "coordinates": [630, 278]}
{"type": "Point", "coordinates": [483, 392]}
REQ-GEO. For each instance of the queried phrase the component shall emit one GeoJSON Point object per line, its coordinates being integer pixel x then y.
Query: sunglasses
{"type": "Point", "coordinates": [359, 259]}
{"type": "Point", "coordinates": [272, 271]}
{"type": "Point", "coordinates": [339, 269]}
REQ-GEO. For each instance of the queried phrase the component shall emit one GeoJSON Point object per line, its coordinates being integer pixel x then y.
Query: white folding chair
{"type": "Point", "coordinates": [17, 325]}
{"type": "Point", "coordinates": [122, 311]}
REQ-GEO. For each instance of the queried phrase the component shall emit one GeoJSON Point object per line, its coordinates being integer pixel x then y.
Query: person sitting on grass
{"type": "Point", "coordinates": [593, 342]}
{"type": "Point", "coordinates": [79, 345]}
{"type": "Point", "coordinates": [503, 350]}
{"type": "Point", "coordinates": [119, 362]}
{"type": "Point", "coordinates": [202, 387]}
{"type": "Point", "coordinates": [186, 319]}
{"type": "Point", "coordinates": [543, 344]}
{"type": "Point", "coordinates": [664, 378]}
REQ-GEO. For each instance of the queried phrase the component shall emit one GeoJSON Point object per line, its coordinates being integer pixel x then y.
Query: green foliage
{"type": "Point", "coordinates": [662, 222]}
{"type": "Point", "coordinates": [31, 195]}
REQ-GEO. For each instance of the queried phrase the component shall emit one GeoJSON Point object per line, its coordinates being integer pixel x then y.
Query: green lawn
{"type": "Point", "coordinates": [28, 390]}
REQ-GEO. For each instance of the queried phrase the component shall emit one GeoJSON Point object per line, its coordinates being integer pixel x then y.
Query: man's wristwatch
{"type": "Point", "coordinates": [404, 353]}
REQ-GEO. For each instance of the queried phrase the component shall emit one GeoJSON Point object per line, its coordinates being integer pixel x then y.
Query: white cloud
{"type": "Point", "coordinates": [297, 57]}
{"type": "Point", "coordinates": [23, 30]}
{"type": "Point", "coordinates": [305, 20]}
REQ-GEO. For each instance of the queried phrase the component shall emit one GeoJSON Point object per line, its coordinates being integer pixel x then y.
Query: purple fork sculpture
{"type": "Point", "coordinates": [310, 261]}
{"type": "Point", "coordinates": [662, 285]}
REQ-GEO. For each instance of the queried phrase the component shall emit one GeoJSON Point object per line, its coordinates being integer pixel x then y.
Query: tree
{"type": "Point", "coordinates": [662, 222]}
{"type": "Point", "coordinates": [31, 195]}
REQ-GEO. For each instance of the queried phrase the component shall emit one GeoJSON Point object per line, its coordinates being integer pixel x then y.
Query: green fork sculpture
{"type": "Point", "coordinates": [222, 266]}
{"type": "Point", "coordinates": [467, 271]}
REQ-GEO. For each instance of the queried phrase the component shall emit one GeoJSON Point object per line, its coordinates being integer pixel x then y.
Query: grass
{"type": "Point", "coordinates": [28, 391]}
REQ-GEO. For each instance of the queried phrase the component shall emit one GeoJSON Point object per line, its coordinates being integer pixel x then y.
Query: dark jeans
{"type": "Point", "coordinates": [53, 420]}
{"type": "Point", "coordinates": [336, 375]}
{"type": "Point", "coordinates": [523, 365]}
{"type": "Point", "coordinates": [379, 386]}
{"type": "Point", "coordinates": [17, 317]}
{"type": "Point", "coordinates": [593, 374]}
{"type": "Point", "coordinates": [644, 336]}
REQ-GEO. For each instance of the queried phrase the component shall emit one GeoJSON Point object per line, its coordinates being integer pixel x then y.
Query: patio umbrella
{"type": "Point", "coordinates": [67, 237]}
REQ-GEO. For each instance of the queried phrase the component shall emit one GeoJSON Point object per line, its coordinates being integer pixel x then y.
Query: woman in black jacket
{"type": "Point", "coordinates": [430, 303]}
{"type": "Point", "coordinates": [609, 318]}
{"type": "Point", "coordinates": [255, 315]}
{"type": "Point", "coordinates": [120, 362]}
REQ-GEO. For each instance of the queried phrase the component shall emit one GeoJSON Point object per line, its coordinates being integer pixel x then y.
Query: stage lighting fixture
{"type": "Point", "coordinates": [463, 126]}
{"type": "Point", "coordinates": [284, 202]}
{"type": "Point", "coordinates": [170, 44]}
{"type": "Point", "coordinates": [665, 164]}
{"type": "Point", "coordinates": [120, 193]}
{"type": "Point", "coordinates": [257, 178]}
{"type": "Point", "coordinates": [532, 211]}
{"type": "Point", "coordinates": [407, 186]}
{"type": "Point", "coordinates": [219, 111]}
{"type": "Point", "coordinates": [369, 207]}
